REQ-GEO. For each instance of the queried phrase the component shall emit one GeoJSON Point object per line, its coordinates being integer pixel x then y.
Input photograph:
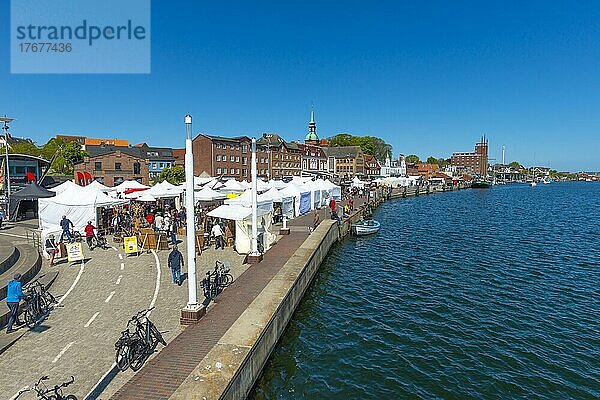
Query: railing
{"type": "Point", "coordinates": [34, 239]}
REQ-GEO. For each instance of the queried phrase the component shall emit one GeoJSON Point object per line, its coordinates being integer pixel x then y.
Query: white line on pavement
{"type": "Point", "coordinates": [64, 296]}
{"type": "Point", "coordinates": [63, 352]}
{"type": "Point", "coordinates": [109, 296]}
{"type": "Point", "coordinates": [157, 287]}
{"type": "Point", "coordinates": [118, 280]}
{"type": "Point", "coordinates": [13, 235]}
{"type": "Point", "coordinates": [114, 248]}
{"type": "Point", "coordinates": [120, 256]}
{"type": "Point", "coordinates": [17, 394]}
{"type": "Point", "coordinates": [91, 320]}
{"type": "Point", "coordinates": [122, 266]}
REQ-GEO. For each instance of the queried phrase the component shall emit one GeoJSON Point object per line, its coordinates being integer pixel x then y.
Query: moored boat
{"type": "Point", "coordinates": [366, 227]}
{"type": "Point", "coordinates": [480, 184]}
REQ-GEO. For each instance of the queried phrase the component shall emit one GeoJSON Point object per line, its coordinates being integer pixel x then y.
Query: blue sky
{"type": "Point", "coordinates": [430, 77]}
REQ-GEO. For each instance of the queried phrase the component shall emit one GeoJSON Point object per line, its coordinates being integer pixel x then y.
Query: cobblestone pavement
{"type": "Point", "coordinates": [99, 297]}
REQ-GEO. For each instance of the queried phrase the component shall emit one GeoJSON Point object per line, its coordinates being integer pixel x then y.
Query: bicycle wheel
{"type": "Point", "coordinates": [77, 236]}
{"type": "Point", "coordinates": [122, 356]}
{"type": "Point", "coordinates": [156, 334]}
{"type": "Point", "coordinates": [42, 306]}
{"type": "Point", "coordinates": [138, 356]}
{"type": "Point", "coordinates": [30, 318]}
{"type": "Point", "coordinates": [227, 279]}
{"type": "Point", "coordinates": [70, 397]}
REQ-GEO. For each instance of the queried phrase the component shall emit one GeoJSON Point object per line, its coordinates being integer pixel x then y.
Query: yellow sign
{"type": "Point", "coordinates": [131, 245]}
{"type": "Point", "coordinates": [74, 252]}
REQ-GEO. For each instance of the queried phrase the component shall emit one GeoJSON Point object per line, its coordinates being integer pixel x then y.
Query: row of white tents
{"type": "Point", "coordinates": [295, 198]}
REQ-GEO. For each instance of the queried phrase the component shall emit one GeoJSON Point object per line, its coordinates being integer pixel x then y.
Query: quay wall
{"type": "Point", "coordinates": [231, 368]}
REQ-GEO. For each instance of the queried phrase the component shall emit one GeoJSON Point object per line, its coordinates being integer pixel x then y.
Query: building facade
{"type": "Point", "coordinates": [372, 167]}
{"type": "Point", "coordinates": [475, 162]}
{"type": "Point", "coordinates": [112, 166]}
{"type": "Point", "coordinates": [314, 160]}
{"type": "Point", "coordinates": [159, 158]}
{"type": "Point", "coordinates": [346, 161]}
{"type": "Point", "coordinates": [283, 158]}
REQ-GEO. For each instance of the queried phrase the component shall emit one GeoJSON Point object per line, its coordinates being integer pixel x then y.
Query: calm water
{"type": "Point", "coordinates": [472, 294]}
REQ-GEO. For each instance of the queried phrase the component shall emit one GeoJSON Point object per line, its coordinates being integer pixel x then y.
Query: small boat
{"type": "Point", "coordinates": [366, 227]}
{"type": "Point", "coordinates": [532, 184]}
{"type": "Point", "coordinates": [480, 184]}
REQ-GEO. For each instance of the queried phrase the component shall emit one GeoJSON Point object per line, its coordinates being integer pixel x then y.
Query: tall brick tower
{"type": "Point", "coordinates": [481, 149]}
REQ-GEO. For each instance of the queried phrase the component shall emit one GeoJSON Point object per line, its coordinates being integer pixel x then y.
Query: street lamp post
{"type": "Point", "coordinates": [192, 312]}
{"type": "Point", "coordinates": [255, 256]}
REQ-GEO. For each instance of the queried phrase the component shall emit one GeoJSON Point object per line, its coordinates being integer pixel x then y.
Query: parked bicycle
{"type": "Point", "coordinates": [216, 280]}
{"type": "Point", "coordinates": [37, 303]}
{"type": "Point", "coordinates": [99, 240]}
{"type": "Point", "coordinates": [134, 347]}
{"type": "Point", "coordinates": [55, 393]}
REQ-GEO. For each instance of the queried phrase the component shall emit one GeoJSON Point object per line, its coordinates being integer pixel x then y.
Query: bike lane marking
{"type": "Point", "coordinates": [119, 280]}
{"type": "Point", "coordinates": [104, 381]}
{"type": "Point", "coordinates": [13, 235]}
{"type": "Point", "coordinates": [122, 266]}
{"type": "Point", "coordinates": [120, 256]}
{"type": "Point", "coordinates": [64, 296]}
{"type": "Point", "coordinates": [63, 351]}
{"type": "Point", "coordinates": [87, 325]}
{"type": "Point", "coordinates": [109, 296]}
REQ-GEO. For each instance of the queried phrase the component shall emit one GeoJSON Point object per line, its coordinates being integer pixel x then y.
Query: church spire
{"type": "Point", "coordinates": [312, 137]}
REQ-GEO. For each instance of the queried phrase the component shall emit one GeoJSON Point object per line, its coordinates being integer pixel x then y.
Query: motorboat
{"type": "Point", "coordinates": [366, 227]}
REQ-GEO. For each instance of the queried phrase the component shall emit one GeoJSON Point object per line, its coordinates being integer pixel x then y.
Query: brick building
{"type": "Point", "coordinates": [314, 160]}
{"type": "Point", "coordinates": [475, 162]}
{"type": "Point", "coordinates": [283, 158]}
{"type": "Point", "coordinates": [113, 165]}
{"type": "Point", "coordinates": [427, 170]}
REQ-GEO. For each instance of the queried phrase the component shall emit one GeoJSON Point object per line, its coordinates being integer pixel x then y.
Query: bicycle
{"type": "Point", "coordinates": [49, 394]}
{"type": "Point", "coordinates": [75, 236]}
{"type": "Point", "coordinates": [216, 281]}
{"type": "Point", "coordinates": [48, 297]}
{"type": "Point", "coordinates": [134, 348]}
{"type": "Point", "coordinates": [98, 240]}
{"type": "Point", "coordinates": [36, 304]}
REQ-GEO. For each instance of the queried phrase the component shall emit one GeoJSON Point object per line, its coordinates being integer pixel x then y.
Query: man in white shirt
{"type": "Point", "coordinates": [218, 234]}
{"type": "Point", "coordinates": [158, 222]}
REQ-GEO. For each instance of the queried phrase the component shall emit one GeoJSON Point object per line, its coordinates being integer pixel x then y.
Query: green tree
{"type": "Point", "coordinates": [369, 144]}
{"type": "Point", "coordinates": [174, 175]}
{"type": "Point", "coordinates": [514, 164]}
{"type": "Point", "coordinates": [412, 158]}
{"type": "Point", "coordinates": [25, 147]}
{"type": "Point", "coordinates": [68, 153]}
{"type": "Point", "coordinates": [432, 160]}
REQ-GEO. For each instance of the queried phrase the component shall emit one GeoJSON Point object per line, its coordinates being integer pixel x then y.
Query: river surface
{"type": "Point", "coordinates": [474, 294]}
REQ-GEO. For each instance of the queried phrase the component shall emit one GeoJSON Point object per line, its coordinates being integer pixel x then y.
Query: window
{"type": "Point", "coordinates": [98, 166]}
{"type": "Point", "coordinates": [218, 157]}
{"type": "Point", "coordinates": [118, 180]}
{"type": "Point", "coordinates": [218, 145]}
{"type": "Point", "coordinates": [237, 159]}
{"type": "Point", "coordinates": [244, 148]}
{"type": "Point", "coordinates": [136, 168]}
{"type": "Point", "coordinates": [161, 165]}
{"type": "Point", "coordinates": [153, 165]}
{"type": "Point", "coordinates": [231, 146]}
{"type": "Point", "coordinates": [237, 171]}
{"type": "Point", "coordinates": [244, 160]}
{"type": "Point", "coordinates": [117, 167]}
{"type": "Point", "coordinates": [244, 172]}
{"type": "Point", "coordinates": [232, 171]}
{"type": "Point", "coordinates": [232, 158]}
{"type": "Point", "coordinates": [218, 170]}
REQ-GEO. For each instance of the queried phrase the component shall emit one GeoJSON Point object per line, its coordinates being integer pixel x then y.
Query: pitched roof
{"type": "Point", "coordinates": [95, 151]}
{"type": "Point", "coordinates": [343, 151]}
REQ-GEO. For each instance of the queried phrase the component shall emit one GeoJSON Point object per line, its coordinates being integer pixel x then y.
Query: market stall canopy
{"type": "Point", "coordinates": [99, 186]}
{"type": "Point", "coordinates": [273, 195]}
{"type": "Point", "coordinates": [78, 203]}
{"type": "Point", "coordinates": [207, 194]}
{"type": "Point", "coordinates": [203, 180]}
{"type": "Point", "coordinates": [146, 197]}
{"type": "Point", "coordinates": [33, 191]}
{"type": "Point", "coordinates": [62, 187]}
{"type": "Point", "coordinates": [126, 185]}
{"type": "Point", "coordinates": [234, 212]}
{"type": "Point", "coordinates": [164, 189]}
{"type": "Point", "coordinates": [232, 186]}
{"type": "Point", "coordinates": [277, 184]}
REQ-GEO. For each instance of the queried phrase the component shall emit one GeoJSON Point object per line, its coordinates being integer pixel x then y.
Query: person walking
{"type": "Point", "coordinates": [175, 263]}
{"type": "Point", "coordinates": [217, 232]}
{"type": "Point", "coordinates": [351, 203]}
{"type": "Point", "coordinates": [158, 222]}
{"type": "Point", "coordinates": [14, 295]}
{"type": "Point", "coordinates": [66, 225]}
{"type": "Point", "coordinates": [51, 248]}
{"type": "Point", "coordinates": [89, 235]}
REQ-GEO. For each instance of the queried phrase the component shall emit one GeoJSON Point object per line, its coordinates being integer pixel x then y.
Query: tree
{"type": "Point", "coordinates": [68, 153]}
{"type": "Point", "coordinates": [412, 159]}
{"type": "Point", "coordinates": [432, 160]}
{"type": "Point", "coordinates": [369, 144]}
{"type": "Point", "coordinates": [25, 147]}
{"type": "Point", "coordinates": [174, 175]}
{"type": "Point", "coordinates": [514, 164]}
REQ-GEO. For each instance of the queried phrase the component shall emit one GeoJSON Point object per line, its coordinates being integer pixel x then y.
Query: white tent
{"type": "Point", "coordinates": [302, 198]}
{"type": "Point", "coordinates": [336, 191]}
{"type": "Point", "coordinates": [243, 226]}
{"type": "Point", "coordinates": [277, 184]}
{"type": "Point", "coordinates": [264, 203]}
{"type": "Point", "coordinates": [232, 186]}
{"type": "Point", "coordinates": [63, 186]}
{"type": "Point", "coordinates": [126, 185]}
{"type": "Point", "coordinates": [79, 204]}
{"type": "Point", "coordinates": [207, 194]}
{"type": "Point", "coordinates": [357, 183]}
{"type": "Point", "coordinates": [261, 185]}
{"type": "Point", "coordinates": [201, 180]}
{"type": "Point", "coordinates": [164, 189]}
{"type": "Point", "coordinates": [146, 197]}
{"type": "Point", "coordinates": [97, 185]}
